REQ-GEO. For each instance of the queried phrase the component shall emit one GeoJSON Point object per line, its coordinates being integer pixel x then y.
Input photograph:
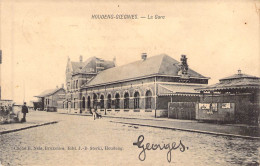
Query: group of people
{"type": "Point", "coordinates": [7, 113]}
{"type": "Point", "coordinates": [96, 115]}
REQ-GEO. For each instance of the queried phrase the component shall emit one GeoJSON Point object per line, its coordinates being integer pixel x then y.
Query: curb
{"type": "Point", "coordinates": [190, 130]}
{"type": "Point", "coordinates": [160, 119]}
{"type": "Point", "coordinates": [172, 128]}
{"type": "Point", "coordinates": [154, 119]}
{"type": "Point", "coordinates": [24, 128]}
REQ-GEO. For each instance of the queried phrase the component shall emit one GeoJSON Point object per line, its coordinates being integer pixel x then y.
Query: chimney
{"type": "Point", "coordinates": [80, 58]}
{"type": "Point", "coordinates": [144, 56]}
{"type": "Point", "coordinates": [239, 72]}
{"type": "Point", "coordinates": [0, 56]}
{"type": "Point", "coordinates": [183, 67]}
{"type": "Point", "coordinates": [114, 61]}
{"type": "Point", "coordinates": [62, 85]}
{"type": "Point", "coordinates": [57, 87]}
{"type": "Point", "coordinates": [68, 58]}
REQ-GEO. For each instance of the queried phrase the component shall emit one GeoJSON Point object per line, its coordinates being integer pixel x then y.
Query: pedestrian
{"type": "Point", "coordinates": [24, 111]}
{"type": "Point", "coordinates": [94, 114]}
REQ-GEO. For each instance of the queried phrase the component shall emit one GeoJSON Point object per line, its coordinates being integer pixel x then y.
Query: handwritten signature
{"type": "Point", "coordinates": [170, 147]}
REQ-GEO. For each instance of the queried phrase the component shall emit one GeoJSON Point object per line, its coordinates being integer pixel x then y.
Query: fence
{"type": "Point", "coordinates": [181, 110]}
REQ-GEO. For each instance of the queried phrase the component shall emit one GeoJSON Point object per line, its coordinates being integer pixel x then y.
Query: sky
{"type": "Point", "coordinates": [37, 37]}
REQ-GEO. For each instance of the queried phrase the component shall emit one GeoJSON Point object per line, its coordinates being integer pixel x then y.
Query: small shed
{"type": "Point", "coordinates": [240, 91]}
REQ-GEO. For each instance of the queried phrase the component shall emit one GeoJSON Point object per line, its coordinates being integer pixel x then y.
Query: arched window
{"type": "Point", "coordinates": [126, 100]}
{"type": "Point", "coordinates": [148, 99]}
{"type": "Point", "coordinates": [89, 101]}
{"type": "Point", "coordinates": [109, 101]}
{"type": "Point", "coordinates": [136, 100]}
{"type": "Point", "coordinates": [95, 100]}
{"type": "Point", "coordinates": [117, 101]}
{"type": "Point", "coordinates": [102, 101]}
{"type": "Point", "coordinates": [75, 103]}
{"type": "Point", "coordinates": [67, 104]}
{"type": "Point", "coordinates": [83, 102]}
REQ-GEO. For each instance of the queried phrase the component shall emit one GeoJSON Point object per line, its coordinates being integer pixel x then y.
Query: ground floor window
{"type": "Point", "coordinates": [89, 101]}
{"type": "Point", "coordinates": [148, 99]}
{"type": "Point", "coordinates": [109, 101]}
{"type": "Point", "coordinates": [101, 101]}
{"type": "Point", "coordinates": [136, 100]}
{"type": "Point", "coordinates": [126, 100]}
{"type": "Point", "coordinates": [117, 101]}
{"type": "Point", "coordinates": [83, 102]}
{"type": "Point", "coordinates": [95, 101]}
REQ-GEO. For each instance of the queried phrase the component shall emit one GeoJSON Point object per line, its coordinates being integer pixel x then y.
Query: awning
{"type": "Point", "coordinates": [179, 90]}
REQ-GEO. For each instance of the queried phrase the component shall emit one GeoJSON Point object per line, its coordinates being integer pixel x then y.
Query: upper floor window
{"type": "Point", "coordinates": [77, 84]}
{"type": "Point", "coordinates": [75, 103]}
{"type": "Point", "coordinates": [68, 86]}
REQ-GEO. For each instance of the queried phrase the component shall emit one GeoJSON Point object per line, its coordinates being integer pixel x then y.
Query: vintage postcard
{"type": "Point", "coordinates": [86, 82]}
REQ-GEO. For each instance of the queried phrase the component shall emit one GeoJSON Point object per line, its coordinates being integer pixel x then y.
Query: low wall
{"type": "Point", "coordinates": [120, 112]}
{"type": "Point", "coordinates": [162, 113]}
{"type": "Point", "coordinates": [128, 112]}
{"type": "Point", "coordinates": [182, 110]}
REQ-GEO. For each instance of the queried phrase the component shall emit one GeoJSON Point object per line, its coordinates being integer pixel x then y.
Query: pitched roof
{"type": "Point", "coordinates": [81, 67]}
{"type": "Point", "coordinates": [234, 84]}
{"type": "Point", "coordinates": [237, 76]}
{"type": "Point", "coordinates": [49, 92]}
{"type": "Point", "coordinates": [77, 66]}
{"type": "Point", "coordinates": [156, 65]}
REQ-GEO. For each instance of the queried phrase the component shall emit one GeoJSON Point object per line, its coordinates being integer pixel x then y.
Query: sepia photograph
{"type": "Point", "coordinates": [115, 82]}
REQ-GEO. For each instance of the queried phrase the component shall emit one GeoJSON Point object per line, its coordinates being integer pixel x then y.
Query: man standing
{"type": "Point", "coordinates": [24, 111]}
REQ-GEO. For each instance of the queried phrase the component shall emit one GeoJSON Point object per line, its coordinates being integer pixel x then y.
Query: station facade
{"type": "Point", "coordinates": [235, 99]}
{"type": "Point", "coordinates": [141, 88]}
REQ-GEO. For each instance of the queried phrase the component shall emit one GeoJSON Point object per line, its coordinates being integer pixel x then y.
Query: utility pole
{"type": "Point", "coordinates": [0, 53]}
{"type": "Point", "coordinates": [12, 52]}
{"type": "Point", "coordinates": [0, 66]}
{"type": "Point", "coordinates": [23, 92]}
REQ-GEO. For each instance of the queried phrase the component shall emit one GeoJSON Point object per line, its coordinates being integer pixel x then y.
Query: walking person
{"type": "Point", "coordinates": [24, 111]}
{"type": "Point", "coordinates": [94, 114]}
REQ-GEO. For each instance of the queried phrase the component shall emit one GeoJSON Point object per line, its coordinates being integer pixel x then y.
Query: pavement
{"type": "Point", "coordinates": [33, 118]}
{"type": "Point", "coordinates": [242, 131]}
{"type": "Point", "coordinates": [40, 118]}
{"type": "Point", "coordinates": [233, 130]}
